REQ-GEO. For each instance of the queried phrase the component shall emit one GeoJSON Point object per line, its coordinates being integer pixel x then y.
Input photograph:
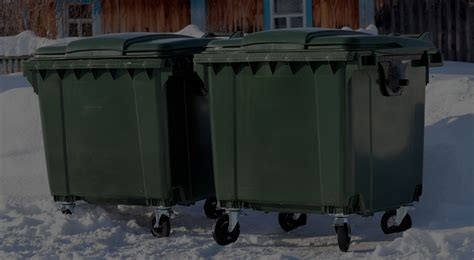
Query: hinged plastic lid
{"type": "Point", "coordinates": [293, 36]}
{"type": "Point", "coordinates": [320, 38]}
{"type": "Point", "coordinates": [124, 44]}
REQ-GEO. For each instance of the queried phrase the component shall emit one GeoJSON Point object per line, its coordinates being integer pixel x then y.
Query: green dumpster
{"type": "Point", "coordinates": [317, 121]}
{"type": "Point", "coordinates": [125, 121]}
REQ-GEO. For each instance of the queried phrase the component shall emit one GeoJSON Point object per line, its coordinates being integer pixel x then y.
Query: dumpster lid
{"type": "Point", "coordinates": [321, 38]}
{"type": "Point", "coordinates": [125, 44]}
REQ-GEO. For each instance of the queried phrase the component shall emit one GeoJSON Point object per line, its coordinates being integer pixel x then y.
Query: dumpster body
{"type": "Point", "coordinates": [125, 120]}
{"type": "Point", "coordinates": [316, 121]}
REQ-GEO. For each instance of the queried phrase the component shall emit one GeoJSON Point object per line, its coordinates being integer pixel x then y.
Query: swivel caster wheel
{"type": "Point", "coordinates": [163, 228]}
{"type": "Point", "coordinates": [221, 233]}
{"type": "Point", "coordinates": [389, 225]}
{"type": "Point", "coordinates": [211, 210]}
{"type": "Point", "coordinates": [343, 236]}
{"type": "Point", "coordinates": [290, 221]}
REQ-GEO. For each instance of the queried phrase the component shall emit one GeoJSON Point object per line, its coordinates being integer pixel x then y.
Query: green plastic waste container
{"type": "Point", "coordinates": [125, 121]}
{"type": "Point", "coordinates": [317, 121]}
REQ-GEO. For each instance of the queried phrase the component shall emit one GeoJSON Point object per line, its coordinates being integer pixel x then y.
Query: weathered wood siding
{"type": "Point", "coordinates": [336, 13]}
{"type": "Point", "coordinates": [450, 22]}
{"type": "Point", "coordinates": [42, 17]}
{"type": "Point", "coordinates": [145, 15]}
{"type": "Point", "coordinates": [235, 15]}
{"type": "Point", "coordinates": [38, 16]}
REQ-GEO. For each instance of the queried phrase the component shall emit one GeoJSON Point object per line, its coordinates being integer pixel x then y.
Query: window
{"type": "Point", "coordinates": [79, 20]}
{"type": "Point", "coordinates": [287, 14]}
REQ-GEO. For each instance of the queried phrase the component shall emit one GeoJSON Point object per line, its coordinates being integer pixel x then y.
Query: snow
{"type": "Point", "coordinates": [191, 30]}
{"type": "Point", "coordinates": [12, 81]}
{"type": "Point", "coordinates": [26, 43]}
{"type": "Point", "coordinates": [370, 29]}
{"type": "Point", "coordinates": [443, 222]}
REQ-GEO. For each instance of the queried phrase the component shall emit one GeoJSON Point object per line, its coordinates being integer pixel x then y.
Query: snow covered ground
{"type": "Point", "coordinates": [443, 222]}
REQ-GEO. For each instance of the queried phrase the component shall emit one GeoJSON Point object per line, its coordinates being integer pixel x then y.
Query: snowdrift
{"type": "Point", "coordinates": [26, 43]}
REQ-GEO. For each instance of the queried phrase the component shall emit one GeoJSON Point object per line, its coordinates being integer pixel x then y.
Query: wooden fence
{"type": "Point", "coordinates": [450, 22]}
{"type": "Point", "coordinates": [11, 64]}
{"type": "Point", "coordinates": [235, 15]}
{"type": "Point", "coordinates": [336, 13]}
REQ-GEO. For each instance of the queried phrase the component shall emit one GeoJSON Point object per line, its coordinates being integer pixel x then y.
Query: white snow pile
{"type": "Point", "coordinates": [26, 43]}
{"type": "Point", "coordinates": [443, 222]}
{"type": "Point", "coordinates": [191, 30]}
{"type": "Point", "coordinates": [12, 81]}
{"type": "Point", "coordinates": [371, 29]}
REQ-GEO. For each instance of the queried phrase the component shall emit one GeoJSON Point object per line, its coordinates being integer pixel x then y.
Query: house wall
{"type": "Point", "coordinates": [35, 15]}
{"type": "Point", "coordinates": [253, 15]}
{"type": "Point", "coordinates": [336, 13]}
{"type": "Point", "coordinates": [10, 18]}
{"type": "Point", "coordinates": [42, 18]}
{"type": "Point", "coordinates": [450, 22]}
{"type": "Point", "coordinates": [235, 15]}
{"type": "Point", "coordinates": [144, 15]}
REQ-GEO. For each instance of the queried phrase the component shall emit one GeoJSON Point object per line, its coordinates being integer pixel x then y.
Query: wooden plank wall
{"type": "Point", "coordinates": [34, 15]}
{"type": "Point", "coordinates": [145, 15]}
{"type": "Point", "coordinates": [235, 15]}
{"type": "Point", "coordinates": [10, 18]}
{"type": "Point", "coordinates": [42, 17]}
{"type": "Point", "coordinates": [336, 13]}
{"type": "Point", "coordinates": [450, 22]}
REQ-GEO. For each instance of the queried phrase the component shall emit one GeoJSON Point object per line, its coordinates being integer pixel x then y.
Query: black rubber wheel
{"type": "Point", "coordinates": [288, 223]}
{"type": "Point", "coordinates": [210, 208]}
{"type": "Point", "coordinates": [343, 237]}
{"type": "Point", "coordinates": [164, 226]}
{"type": "Point", "coordinates": [221, 234]}
{"type": "Point", "coordinates": [66, 211]}
{"type": "Point", "coordinates": [387, 223]}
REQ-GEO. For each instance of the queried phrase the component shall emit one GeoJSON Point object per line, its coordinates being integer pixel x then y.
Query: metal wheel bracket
{"type": "Point", "coordinates": [233, 218]}
{"type": "Point", "coordinates": [63, 206]}
{"type": "Point", "coordinates": [160, 211]}
{"type": "Point", "coordinates": [401, 213]}
{"type": "Point", "coordinates": [340, 220]}
{"type": "Point", "coordinates": [296, 216]}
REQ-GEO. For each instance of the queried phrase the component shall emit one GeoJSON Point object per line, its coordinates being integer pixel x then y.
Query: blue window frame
{"type": "Point", "coordinates": [366, 13]}
{"type": "Point", "coordinates": [199, 13]}
{"type": "Point", "coordinates": [78, 18]}
{"type": "Point", "coordinates": [278, 14]}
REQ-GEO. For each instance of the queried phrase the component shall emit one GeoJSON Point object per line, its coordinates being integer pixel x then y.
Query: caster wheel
{"type": "Point", "coordinates": [343, 237]}
{"type": "Point", "coordinates": [288, 222]}
{"type": "Point", "coordinates": [387, 223]}
{"type": "Point", "coordinates": [164, 226]}
{"type": "Point", "coordinates": [210, 208]}
{"type": "Point", "coordinates": [221, 234]}
{"type": "Point", "coordinates": [66, 211]}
